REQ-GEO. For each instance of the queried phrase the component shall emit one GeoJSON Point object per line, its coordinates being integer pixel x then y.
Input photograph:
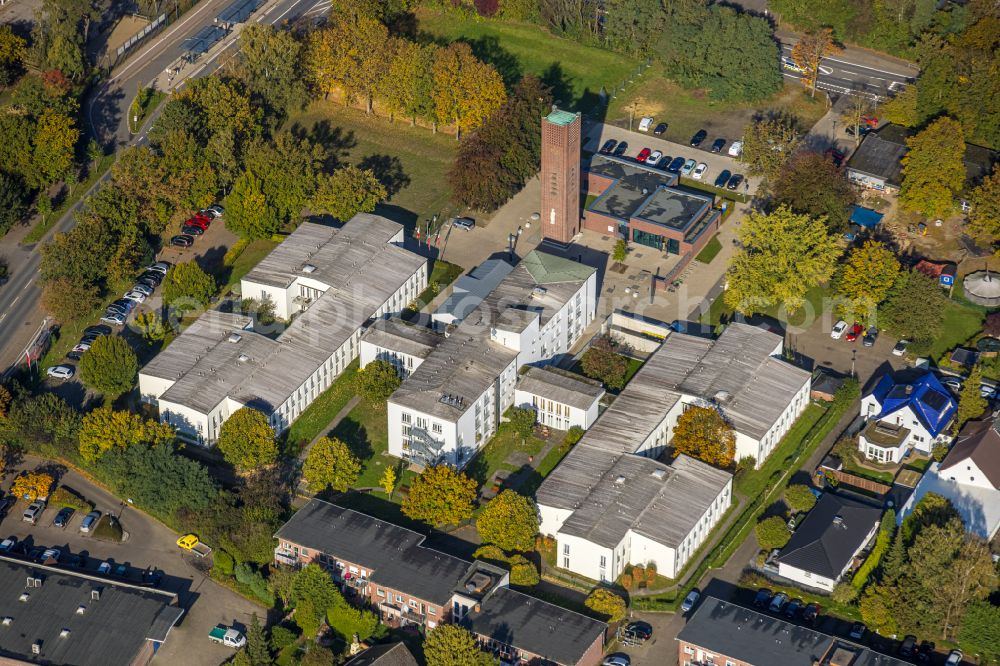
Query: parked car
{"type": "Point", "coordinates": [660, 129]}
{"type": "Point", "coordinates": [182, 241]}
{"type": "Point", "coordinates": [124, 304]}
{"type": "Point", "coordinates": [641, 630]}
{"type": "Point", "coordinates": [32, 513]}
{"type": "Point", "coordinates": [698, 138]}
{"type": "Point", "coordinates": [143, 289]}
{"type": "Point", "coordinates": [792, 609]}
{"type": "Point", "coordinates": [856, 330]}
{"type": "Point", "coordinates": [665, 162]}
{"type": "Point", "coordinates": [50, 553]}
{"type": "Point", "coordinates": [643, 154]}
{"type": "Point", "coordinates": [620, 150]}
{"type": "Point", "coordinates": [152, 577]}
{"type": "Point", "coordinates": [645, 124]}
{"type": "Point", "coordinates": [735, 181]}
{"type": "Point", "coordinates": [90, 521]}
{"type": "Point", "coordinates": [699, 171]}
{"type": "Point", "coordinates": [718, 145]}
{"type": "Point", "coordinates": [113, 318]}
{"type": "Point", "coordinates": [675, 166]}
{"type": "Point", "coordinates": [925, 651]}
{"type": "Point", "coordinates": [191, 230]}
{"type": "Point", "coordinates": [135, 295]}
{"type": "Point", "coordinates": [954, 658]}
{"type": "Point", "coordinates": [608, 146]}
{"type": "Point", "coordinates": [858, 631]}
{"type": "Point", "coordinates": [61, 372]}
{"type": "Point", "coordinates": [790, 65]}
{"type": "Point", "coordinates": [160, 267]}
{"type": "Point", "coordinates": [736, 148]}
{"type": "Point", "coordinates": [62, 518]}
{"type": "Point", "coordinates": [908, 646]}
{"type": "Point", "coordinates": [762, 598]}
{"type": "Point", "coordinates": [870, 337]}
{"type": "Point", "coordinates": [953, 383]}
{"type": "Point", "coordinates": [5, 504]}
{"type": "Point", "coordinates": [77, 561]}
{"type": "Point", "coordinates": [778, 602]}
{"type": "Point", "coordinates": [836, 156]}
{"type": "Point", "coordinates": [466, 223]}
{"type": "Point", "coordinates": [215, 210]}
{"type": "Point", "coordinates": [121, 570]}
{"type": "Point", "coordinates": [97, 331]}
{"type": "Point", "coordinates": [200, 222]}
{"type": "Point", "coordinates": [654, 157]}
{"type": "Point", "coordinates": [987, 391]}
{"type": "Point", "coordinates": [690, 600]}
{"type": "Point", "coordinates": [810, 613]}
{"type": "Point", "coordinates": [152, 276]}
{"type": "Point", "coordinates": [862, 131]}
{"type": "Point", "coordinates": [900, 347]}
{"type": "Point", "coordinates": [8, 544]}
{"type": "Point", "coordinates": [871, 121]}
{"type": "Point", "coordinates": [104, 568]}
{"type": "Point", "coordinates": [838, 329]}
{"type": "Point", "coordinates": [723, 178]}
{"type": "Point", "coordinates": [81, 346]}
{"type": "Point", "coordinates": [688, 167]}
{"type": "Point", "coordinates": [617, 659]}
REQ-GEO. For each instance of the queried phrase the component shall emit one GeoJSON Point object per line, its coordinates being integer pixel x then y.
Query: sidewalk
{"type": "Point", "coordinates": [859, 55]}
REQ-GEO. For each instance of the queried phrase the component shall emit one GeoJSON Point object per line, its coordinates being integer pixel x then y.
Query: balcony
{"type": "Point", "coordinates": [287, 558]}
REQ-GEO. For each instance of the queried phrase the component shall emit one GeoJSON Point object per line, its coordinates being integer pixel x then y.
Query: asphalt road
{"type": "Point", "coordinates": [837, 75]}
{"type": "Point", "coordinates": [105, 119]}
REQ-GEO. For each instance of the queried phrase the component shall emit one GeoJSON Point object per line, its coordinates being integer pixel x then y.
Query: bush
{"type": "Point", "coordinates": [254, 582]}
{"type": "Point", "coordinates": [799, 497]}
{"type": "Point", "coordinates": [63, 496]}
{"type": "Point", "coordinates": [772, 533]}
{"type": "Point", "coordinates": [573, 435]}
{"type": "Point", "coordinates": [844, 593]}
{"type": "Point", "coordinates": [490, 553]}
{"type": "Point", "coordinates": [606, 603]}
{"type": "Point", "coordinates": [523, 574]}
{"type": "Point", "coordinates": [282, 637]}
{"type": "Point", "coordinates": [626, 581]}
{"type": "Point", "coordinates": [224, 562]}
{"type": "Point", "coordinates": [522, 420]}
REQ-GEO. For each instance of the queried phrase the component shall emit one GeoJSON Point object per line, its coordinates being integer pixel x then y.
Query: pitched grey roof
{"type": "Point", "coordinates": [879, 154]}
{"type": "Point", "coordinates": [110, 632]}
{"type": "Point", "coordinates": [398, 336]}
{"type": "Point", "coordinates": [527, 623]}
{"type": "Point", "coordinates": [757, 639]}
{"type": "Point", "coordinates": [194, 343]}
{"type": "Point", "coordinates": [979, 442]}
{"type": "Point", "coordinates": [829, 536]}
{"type": "Point", "coordinates": [562, 387]}
{"type": "Point", "coordinates": [391, 654]}
{"type": "Point", "coordinates": [396, 554]}
{"type": "Point", "coordinates": [363, 270]}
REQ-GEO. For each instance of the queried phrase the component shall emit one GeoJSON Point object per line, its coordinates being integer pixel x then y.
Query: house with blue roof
{"type": "Point", "coordinates": [904, 412]}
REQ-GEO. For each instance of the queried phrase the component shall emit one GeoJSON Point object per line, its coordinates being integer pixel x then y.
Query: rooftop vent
{"type": "Point", "coordinates": [660, 474]}
{"type": "Point", "coordinates": [64, 633]}
{"type": "Point", "coordinates": [95, 594]}
{"type": "Point", "coordinates": [7, 621]}
{"type": "Point", "coordinates": [81, 609]}
{"type": "Point", "coordinates": [308, 268]}
{"type": "Point", "coordinates": [24, 597]}
{"type": "Point", "coordinates": [36, 647]}
{"type": "Point", "coordinates": [722, 397]}
{"type": "Point", "coordinates": [234, 337]}
{"type": "Point", "coordinates": [243, 358]}
{"type": "Point", "coordinates": [620, 481]}
{"type": "Point", "coordinates": [838, 521]}
{"type": "Point", "coordinates": [452, 400]}
{"type": "Point", "coordinates": [539, 291]}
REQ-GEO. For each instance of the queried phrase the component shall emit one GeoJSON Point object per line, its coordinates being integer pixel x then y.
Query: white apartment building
{"type": "Point", "coordinates": [452, 403]}
{"type": "Point", "coordinates": [560, 399]}
{"type": "Point", "coordinates": [331, 283]}
{"type": "Point", "coordinates": [403, 345]}
{"type": "Point", "coordinates": [609, 504]}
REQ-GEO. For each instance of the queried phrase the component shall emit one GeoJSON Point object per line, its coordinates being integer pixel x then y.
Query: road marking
{"type": "Point", "coordinates": [786, 47]}
{"type": "Point", "coordinates": [16, 299]}
{"type": "Point", "coordinates": [27, 284]}
{"type": "Point", "coordinates": [141, 57]}
{"type": "Point", "coordinates": [825, 70]}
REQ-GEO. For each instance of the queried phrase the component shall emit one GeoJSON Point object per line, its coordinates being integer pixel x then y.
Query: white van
{"type": "Point", "coordinates": [736, 148]}
{"type": "Point", "coordinates": [645, 124]}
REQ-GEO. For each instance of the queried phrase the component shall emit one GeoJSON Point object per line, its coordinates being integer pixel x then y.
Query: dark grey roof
{"type": "Point", "coordinates": [978, 441]}
{"type": "Point", "coordinates": [111, 630]}
{"type": "Point", "coordinates": [879, 154]}
{"type": "Point", "coordinates": [399, 336]}
{"type": "Point", "coordinates": [739, 633]}
{"type": "Point", "coordinates": [634, 183]}
{"type": "Point", "coordinates": [393, 552]}
{"type": "Point", "coordinates": [561, 386]}
{"type": "Point", "coordinates": [674, 208]}
{"type": "Point", "coordinates": [391, 654]}
{"type": "Point", "coordinates": [824, 382]}
{"type": "Point", "coordinates": [524, 622]}
{"type": "Point", "coordinates": [832, 532]}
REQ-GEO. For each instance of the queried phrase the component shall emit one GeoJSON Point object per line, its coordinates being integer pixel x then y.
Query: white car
{"type": "Point", "coordinates": [838, 329]}
{"type": "Point", "coordinates": [113, 318]}
{"type": "Point", "coordinates": [645, 124]}
{"type": "Point", "coordinates": [143, 289]}
{"type": "Point", "coordinates": [654, 157]}
{"type": "Point", "coordinates": [60, 371]}
{"type": "Point", "coordinates": [736, 149]}
{"type": "Point", "coordinates": [160, 267]}
{"type": "Point", "coordinates": [954, 658]}
{"type": "Point", "coordinates": [699, 171]}
{"type": "Point", "coordinates": [135, 295]}
{"type": "Point", "coordinates": [789, 64]}
{"type": "Point", "coordinates": [214, 212]}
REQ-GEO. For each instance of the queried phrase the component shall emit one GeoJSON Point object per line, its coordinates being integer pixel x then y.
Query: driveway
{"type": "Point", "coordinates": [150, 544]}
{"type": "Point", "coordinates": [595, 134]}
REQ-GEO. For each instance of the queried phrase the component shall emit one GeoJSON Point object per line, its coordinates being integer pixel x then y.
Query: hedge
{"type": "Point", "coordinates": [63, 496]}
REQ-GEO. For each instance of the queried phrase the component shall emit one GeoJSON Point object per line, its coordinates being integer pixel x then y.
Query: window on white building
{"type": "Point", "coordinates": [565, 549]}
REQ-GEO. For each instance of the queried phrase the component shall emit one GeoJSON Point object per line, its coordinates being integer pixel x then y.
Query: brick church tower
{"type": "Point", "coordinates": [560, 212]}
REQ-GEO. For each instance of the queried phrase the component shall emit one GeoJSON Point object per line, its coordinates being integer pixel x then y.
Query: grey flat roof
{"type": "Point", "coordinates": [363, 270]}
{"type": "Point", "coordinates": [197, 340]}
{"type": "Point", "coordinates": [758, 639]}
{"type": "Point", "coordinates": [561, 386]}
{"type": "Point", "coordinates": [661, 502]}
{"type": "Point", "coordinates": [674, 208]}
{"type": "Point", "coordinates": [110, 632]}
{"type": "Point", "coordinates": [471, 289]}
{"type": "Point", "coordinates": [634, 184]}
{"type": "Point", "coordinates": [398, 336]}
{"type": "Point", "coordinates": [553, 633]}
{"type": "Point", "coordinates": [539, 287]}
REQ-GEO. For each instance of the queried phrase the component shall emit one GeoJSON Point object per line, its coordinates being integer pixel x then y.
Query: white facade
{"type": "Point", "coordinates": [919, 437]}
{"type": "Point", "coordinates": [975, 499]}
{"type": "Point", "coordinates": [810, 579]}
{"type": "Point", "coordinates": [556, 414]}
{"type": "Point", "coordinates": [404, 363]}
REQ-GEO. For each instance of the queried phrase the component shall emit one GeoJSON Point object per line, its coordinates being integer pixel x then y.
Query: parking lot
{"type": "Point", "coordinates": [149, 544]}
{"type": "Point", "coordinates": [595, 134]}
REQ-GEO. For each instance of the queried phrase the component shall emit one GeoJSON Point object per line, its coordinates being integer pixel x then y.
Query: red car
{"type": "Point", "coordinates": [837, 156]}
{"type": "Point", "coordinates": [871, 121]}
{"type": "Point", "coordinates": [197, 222]}
{"type": "Point", "coordinates": [643, 154]}
{"type": "Point", "coordinates": [855, 331]}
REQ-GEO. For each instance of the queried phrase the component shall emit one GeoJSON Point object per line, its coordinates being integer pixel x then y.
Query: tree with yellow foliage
{"type": "Point", "coordinates": [466, 91]}
{"type": "Point", "coordinates": [865, 280]}
{"type": "Point", "coordinates": [32, 485]}
{"type": "Point", "coordinates": [104, 429]}
{"type": "Point", "coordinates": [702, 433]}
{"type": "Point", "coordinates": [809, 52]}
{"type": "Point", "coordinates": [933, 169]}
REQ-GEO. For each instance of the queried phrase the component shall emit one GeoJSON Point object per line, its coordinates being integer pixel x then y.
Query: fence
{"type": "Point", "coordinates": [852, 480]}
{"type": "Point", "coordinates": [154, 25]}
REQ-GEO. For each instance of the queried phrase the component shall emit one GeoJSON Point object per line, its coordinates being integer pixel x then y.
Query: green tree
{"type": "Point", "coordinates": [783, 255]}
{"type": "Point", "coordinates": [605, 602]}
{"type": "Point", "coordinates": [772, 533]}
{"type": "Point", "coordinates": [864, 281]}
{"type": "Point", "coordinates": [971, 403]}
{"type": "Point", "coordinates": [980, 630]}
{"type": "Point", "coordinates": [53, 147]}
{"type": "Point", "coordinates": [13, 201]}
{"type": "Point", "coordinates": [799, 497]}
{"type": "Point", "coordinates": [812, 185]}
{"type": "Point", "coordinates": [573, 435]}
{"type": "Point", "coordinates": [933, 170]}
{"type": "Point", "coordinates": [914, 309]}
{"type": "Point", "coordinates": [247, 210]}
{"type": "Point", "coordinates": [246, 440]}
{"type": "Point", "coordinates": [877, 609]}
{"type": "Point", "coordinates": [188, 287]}
{"type": "Point", "coordinates": [620, 252]}
{"type": "Point", "coordinates": [410, 81]}
{"type": "Point", "coordinates": [317, 655]}
{"type": "Point", "coordinates": [109, 366]}
{"type": "Point", "coordinates": [151, 326]}
{"type": "Point", "coordinates": [466, 91]}
{"type": "Point", "coordinates": [702, 433]}
{"type": "Point", "coordinates": [269, 63]}
{"type": "Point", "coordinates": [510, 521]}
{"type": "Point", "coordinates": [377, 381]}
{"type": "Point", "coordinates": [984, 213]}
{"type": "Point", "coordinates": [347, 192]}
{"type": "Point", "coordinates": [452, 645]}
{"type": "Point", "coordinates": [104, 429]}
{"type": "Point", "coordinates": [257, 649]}
{"type": "Point", "coordinates": [901, 109]}
{"type": "Point", "coordinates": [440, 496]}
{"type": "Point", "coordinates": [767, 145]}
{"type": "Point", "coordinates": [602, 362]}
{"type": "Point", "coordinates": [522, 420]}
{"type": "Point", "coordinates": [522, 572]}
{"type": "Point", "coordinates": [69, 300]}
{"type": "Point", "coordinates": [330, 463]}
{"type": "Point", "coordinates": [349, 621]}
{"type": "Point", "coordinates": [887, 528]}
{"type": "Point", "coordinates": [12, 50]}
{"type": "Point", "coordinates": [314, 590]}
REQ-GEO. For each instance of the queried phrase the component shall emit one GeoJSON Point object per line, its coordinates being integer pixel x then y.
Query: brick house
{"type": "Point", "coordinates": [410, 584]}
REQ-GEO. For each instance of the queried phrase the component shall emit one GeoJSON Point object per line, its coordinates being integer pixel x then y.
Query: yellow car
{"type": "Point", "coordinates": [188, 541]}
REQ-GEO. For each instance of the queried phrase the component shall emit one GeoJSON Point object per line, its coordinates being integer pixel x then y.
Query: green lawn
{"type": "Point", "coordinates": [710, 251]}
{"type": "Point", "coordinates": [365, 431]}
{"type": "Point", "coordinates": [753, 482]}
{"type": "Point", "coordinates": [413, 162]}
{"type": "Point", "coordinates": [492, 456]}
{"type": "Point", "coordinates": [960, 324]}
{"type": "Point", "coordinates": [575, 72]}
{"type": "Point", "coordinates": [815, 296]}
{"type": "Point", "coordinates": [852, 467]}
{"type": "Point", "coordinates": [442, 274]}
{"type": "Point", "coordinates": [318, 415]}
{"type": "Point", "coordinates": [249, 258]}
